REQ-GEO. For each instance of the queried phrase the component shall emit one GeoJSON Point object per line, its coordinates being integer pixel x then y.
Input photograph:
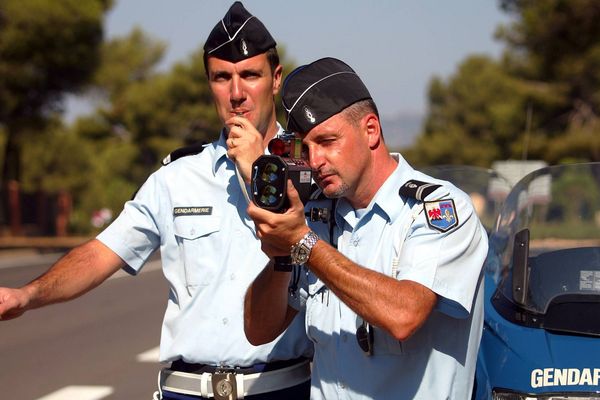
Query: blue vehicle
{"type": "Point", "coordinates": [541, 337]}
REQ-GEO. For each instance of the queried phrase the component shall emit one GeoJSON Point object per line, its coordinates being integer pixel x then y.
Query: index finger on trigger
{"type": "Point", "coordinates": [254, 211]}
{"type": "Point", "coordinates": [293, 195]}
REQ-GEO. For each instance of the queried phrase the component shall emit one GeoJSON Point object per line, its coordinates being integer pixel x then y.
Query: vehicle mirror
{"type": "Point", "coordinates": [520, 265]}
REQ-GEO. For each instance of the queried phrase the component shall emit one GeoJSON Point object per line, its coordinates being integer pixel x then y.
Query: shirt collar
{"type": "Point", "coordinates": [220, 155]}
{"type": "Point", "coordinates": [385, 200]}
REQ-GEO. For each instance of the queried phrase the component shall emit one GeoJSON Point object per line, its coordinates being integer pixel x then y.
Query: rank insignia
{"type": "Point", "coordinates": [441, 214]}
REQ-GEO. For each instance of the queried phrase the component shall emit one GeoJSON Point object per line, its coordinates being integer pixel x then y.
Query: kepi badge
{"type": "Point", "coordinates": [441, 214]}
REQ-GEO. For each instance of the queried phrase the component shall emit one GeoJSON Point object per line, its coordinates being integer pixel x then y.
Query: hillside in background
{"type": "Point", "coordinates": [401, 130]}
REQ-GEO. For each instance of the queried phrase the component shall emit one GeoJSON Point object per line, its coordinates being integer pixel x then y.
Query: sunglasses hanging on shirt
{"type": "Point", "coordinates": [364, 337]}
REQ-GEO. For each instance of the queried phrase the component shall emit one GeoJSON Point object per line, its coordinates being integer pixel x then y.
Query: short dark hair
{"type": "Point", "coordinates": [354, 112]}
{"type": "Point", "coordinates": [272, 58]}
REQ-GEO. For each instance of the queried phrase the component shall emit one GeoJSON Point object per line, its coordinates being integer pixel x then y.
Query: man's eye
{"type": "Point", "coordinates": [250, 75]}
{"type": "Point", "coordinates": [220, 78]}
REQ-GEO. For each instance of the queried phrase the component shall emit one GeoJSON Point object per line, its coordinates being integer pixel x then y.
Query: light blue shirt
{"type": "Point", "coordinates": [195, 211]}
{"type": "Point", "coordinates": [438, 361]}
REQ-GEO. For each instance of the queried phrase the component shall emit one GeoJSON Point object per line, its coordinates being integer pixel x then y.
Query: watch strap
{"type": "Point", "coordinates": [305, 244]}
{"type": "Point", "coordinates": [283, 263]}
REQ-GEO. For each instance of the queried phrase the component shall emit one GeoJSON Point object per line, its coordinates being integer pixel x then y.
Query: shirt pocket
{"type": "Point", "coordinates": [198, 240]}
{"type": "Point", "coordinates": [319, 320]}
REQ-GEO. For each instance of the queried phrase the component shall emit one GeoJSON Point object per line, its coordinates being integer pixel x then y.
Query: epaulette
{"type": "Point", "coordinates": [195, 148]}
{"type": "Point", "coordinates": [417, 189]}
{"type": "Point", "coordinates": [441, 214]}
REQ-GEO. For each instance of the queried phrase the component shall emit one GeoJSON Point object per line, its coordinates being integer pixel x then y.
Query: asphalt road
{"type": "Point", "coordinates": [91, 348]}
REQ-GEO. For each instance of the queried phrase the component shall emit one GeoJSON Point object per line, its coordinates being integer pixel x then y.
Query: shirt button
{"type": "Point", "coordinates": [225, 321]}
{"type": "Point", "coordinates": [192, 231]}
{"type": "Point", "coordinates": [232, 277]}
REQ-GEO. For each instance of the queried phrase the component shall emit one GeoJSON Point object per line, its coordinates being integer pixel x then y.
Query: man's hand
{"type": "Point", "coordinates": [80, 270]}
{"type": "Point", "coordinates": [244, 145]}
{"type": "Point", "coordinates": [13, 303]}
{"type": "Point", "coordinates": [279, 231]}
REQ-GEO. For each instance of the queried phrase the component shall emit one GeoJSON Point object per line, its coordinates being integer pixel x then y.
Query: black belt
{"type": "Point", "coordinates": [182, 366]}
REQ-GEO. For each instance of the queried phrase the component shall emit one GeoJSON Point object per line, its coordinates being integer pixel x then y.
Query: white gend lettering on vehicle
{"type": "Point", "coordinates": [565, 377]}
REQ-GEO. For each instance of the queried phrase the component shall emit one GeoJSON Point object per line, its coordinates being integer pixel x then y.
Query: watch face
{"type": "Point", "coordinates": [303, 253]}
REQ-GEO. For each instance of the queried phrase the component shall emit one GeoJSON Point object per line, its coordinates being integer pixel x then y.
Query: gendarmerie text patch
{"type": "Point", "coordinates": [206, 210]}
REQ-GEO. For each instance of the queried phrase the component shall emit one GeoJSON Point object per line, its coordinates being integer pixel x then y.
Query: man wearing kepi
{"type": "Point", "coordinates": [194, 210]}
{"type": "Point", "coordinates": [395, 311]}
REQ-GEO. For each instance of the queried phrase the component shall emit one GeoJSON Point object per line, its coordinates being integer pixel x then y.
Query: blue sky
{"type": "Point", "coordinates": [395, 46]}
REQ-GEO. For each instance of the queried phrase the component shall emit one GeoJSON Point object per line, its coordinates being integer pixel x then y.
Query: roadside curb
{"type": "Point", "coordinates": [32, 251]}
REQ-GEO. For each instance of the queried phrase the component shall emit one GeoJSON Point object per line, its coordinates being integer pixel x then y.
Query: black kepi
{"type": "Point", "coordinates": [315, 92]}
{"type": "Point", "coordinates": [239, 35]}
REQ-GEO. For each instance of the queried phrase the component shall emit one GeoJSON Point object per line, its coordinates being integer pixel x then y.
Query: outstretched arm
{"type": "Point", "coordinates": [79, 271]}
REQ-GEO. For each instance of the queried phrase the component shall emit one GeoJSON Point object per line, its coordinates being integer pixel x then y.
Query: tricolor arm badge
{"type": "Point", "coordinates": [441, 214]}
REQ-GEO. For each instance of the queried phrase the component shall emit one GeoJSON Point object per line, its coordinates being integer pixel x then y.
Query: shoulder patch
{"type": "Point", "coordinates": [417, 189]}
{"type": "Point", "coordinates": [195, 148]}
{"type": "Point", "coordinates": [441, 214]}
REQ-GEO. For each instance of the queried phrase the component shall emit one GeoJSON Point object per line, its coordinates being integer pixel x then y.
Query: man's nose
{"type": "Point", "coordinates": [314, 158]}
{"type": "Point", "coordinates": [237, 90]}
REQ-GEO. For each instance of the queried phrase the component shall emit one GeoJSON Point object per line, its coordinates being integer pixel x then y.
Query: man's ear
{"type": "Point", "coordinates": [277, 74]}
{"type": "Point", "coordinates": [373, 129]}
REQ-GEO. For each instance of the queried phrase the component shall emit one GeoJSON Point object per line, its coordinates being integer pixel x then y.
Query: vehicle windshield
{"type": "Point", "coordinates": [545, 248]}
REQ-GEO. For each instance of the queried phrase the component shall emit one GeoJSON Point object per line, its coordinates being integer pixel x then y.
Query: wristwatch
{"type": "Point", "coordinates": [301, 250]}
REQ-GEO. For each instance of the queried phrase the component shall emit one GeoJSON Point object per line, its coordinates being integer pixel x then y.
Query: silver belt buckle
{"type": "Point", "coordinates": [224, 385]}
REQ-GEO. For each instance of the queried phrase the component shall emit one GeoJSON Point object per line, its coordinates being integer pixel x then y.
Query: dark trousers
{"type": "Point", "coordinates": [298, 392]}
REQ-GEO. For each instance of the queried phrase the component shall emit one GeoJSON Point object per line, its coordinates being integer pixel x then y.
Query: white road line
{"type": "Point", "coordinates": [80, 393]}
{"type": "Point", "coordinates": [149, 356]}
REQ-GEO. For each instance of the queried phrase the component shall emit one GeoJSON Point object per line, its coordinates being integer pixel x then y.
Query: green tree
{"type": "Point", "coordinates": [476, 117]}
{"type": "Point", "coordinates": [141, 116]}
{"type": "Point", "coordinates": [156, 112]}
{"type": "Point", "coordinates": [539, 101]}
{"type": "Point", "coordinates": [47, 49]}
{"type": "Point", "coordinates": [557, 42]}
{"type": "Point", "coordinates": [124, 61]}
{"type": "Point", "coordinates": [57, 160]}
{"type": "Point", "coordinates": [575, 196]}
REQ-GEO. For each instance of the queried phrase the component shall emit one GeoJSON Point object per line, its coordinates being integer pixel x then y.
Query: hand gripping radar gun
{"type": "Point", "coordinates": [270, 174]}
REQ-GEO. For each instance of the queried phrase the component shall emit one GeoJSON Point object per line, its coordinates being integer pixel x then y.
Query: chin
{"type": "Point", "coordinates": [331, 192]}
